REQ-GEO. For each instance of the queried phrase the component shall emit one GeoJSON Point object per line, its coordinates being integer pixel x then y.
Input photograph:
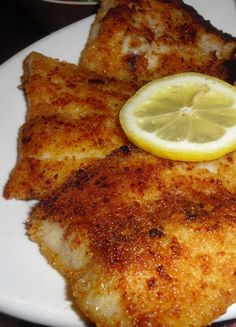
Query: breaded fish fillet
{"type": "Point", "coordinates": [142, 40]}
{"type": "Point", "coordinates": [144, 241]}
{"type": "Point", "coordinates": [72, 119]}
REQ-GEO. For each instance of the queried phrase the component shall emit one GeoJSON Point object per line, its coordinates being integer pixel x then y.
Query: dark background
{"type": "Point", "coordinates": [18, 29]}
{"type": "Point", "coordinates": [22, 22]}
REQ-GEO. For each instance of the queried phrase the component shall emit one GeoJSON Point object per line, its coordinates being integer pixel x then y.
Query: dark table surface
{"type": "Point", "coordinates": [18, 29]}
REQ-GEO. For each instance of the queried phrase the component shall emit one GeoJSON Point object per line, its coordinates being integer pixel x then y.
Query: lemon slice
{"type": "Point", "coordinates": [187, 117]}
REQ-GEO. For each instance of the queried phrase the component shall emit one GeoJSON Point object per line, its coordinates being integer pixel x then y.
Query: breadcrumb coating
{"type": "Point", "coordinates": [140, 40]}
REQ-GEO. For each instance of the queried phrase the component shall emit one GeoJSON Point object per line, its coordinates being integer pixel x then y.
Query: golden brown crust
{"type": "Point", "coordinates": [143, 40]}
{"type": "Point", "coordinates": [163, 230]}
{"type": "Point", "coordinates": [57, 88]}
{"type": "Point", "coordinates": [72, 119]}
{"type": "Point", "coordinates": [132, 181]}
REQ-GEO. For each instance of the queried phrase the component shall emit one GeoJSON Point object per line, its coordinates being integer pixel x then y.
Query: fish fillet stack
{"type": "Point", "coordinates": [142, 241]}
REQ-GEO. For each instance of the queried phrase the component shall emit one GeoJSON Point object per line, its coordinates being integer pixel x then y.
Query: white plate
{"type": "Point", "coordinates": [29, 288]}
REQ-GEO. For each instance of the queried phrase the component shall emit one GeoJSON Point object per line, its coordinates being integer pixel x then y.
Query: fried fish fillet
{"type": "Point", "coordinates": [144, 241]}
{"type": "Point", "coordinates": [147, 39]}
{"type": "Point", "coordinates": [72, 119]}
